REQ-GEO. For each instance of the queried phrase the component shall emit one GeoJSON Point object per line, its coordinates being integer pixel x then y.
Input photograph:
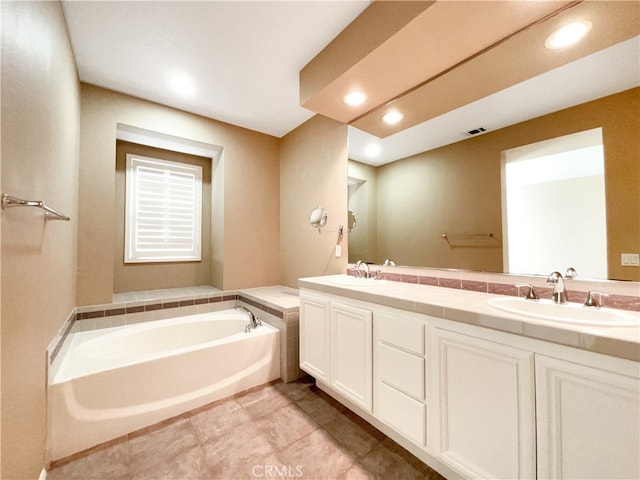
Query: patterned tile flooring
{"type": "Point", "coordinates": [281, 430]}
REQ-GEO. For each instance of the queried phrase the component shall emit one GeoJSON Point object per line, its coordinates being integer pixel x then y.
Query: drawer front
{"type": "Point", "coordinates": [400, 369]}
{"type": "Point", "coordinates": [400, 331]}
{"type": "Point", "coordinates": [403, 413]}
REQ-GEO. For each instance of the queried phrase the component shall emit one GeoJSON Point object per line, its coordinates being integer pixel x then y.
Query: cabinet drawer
{"type": "Point", "coordinates": [400, 331]}
{"type": "Point", "coordinates": [400, 369]}
{"type": "Point", "coordinates": [403, 413]}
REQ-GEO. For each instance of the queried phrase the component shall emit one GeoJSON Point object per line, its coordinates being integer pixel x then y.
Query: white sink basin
{"type": "Point", "coordinates": [567, 312]}
{"type": "Point", "coordinates": [350, 281]}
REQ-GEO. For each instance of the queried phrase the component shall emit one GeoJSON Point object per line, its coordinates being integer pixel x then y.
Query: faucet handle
{"type": "Point", "coordinates": [592, 301]}
{"type": "Point", "coordinates": [531, 293]}
{"type": "Point", "coordinates": [571, 273]}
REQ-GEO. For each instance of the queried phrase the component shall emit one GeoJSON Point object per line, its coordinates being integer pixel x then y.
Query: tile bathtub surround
{"type": "Point", "coordinates": [281, 430]}
{"type": "Point", "coordinates": [622, 295]}
{"type": "Point", "coordinates": [56, 344]}
{"type": "Point", "coordinates": [169, 292]}
{"type": "Point", "coordinates": [279, 306]}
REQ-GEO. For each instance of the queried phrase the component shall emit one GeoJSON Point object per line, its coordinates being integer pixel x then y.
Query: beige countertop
{"type": "Point", "coordinates": [471, 308]}
{"type": "Point", "coordinates": [278, 297]}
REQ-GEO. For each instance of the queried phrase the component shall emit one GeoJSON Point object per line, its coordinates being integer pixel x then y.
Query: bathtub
{"type": "Point", "coordinates": [117, 380]}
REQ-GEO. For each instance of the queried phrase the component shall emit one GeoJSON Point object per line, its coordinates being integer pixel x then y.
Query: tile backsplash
{"type": "Point", "coordinates": [623, 295]}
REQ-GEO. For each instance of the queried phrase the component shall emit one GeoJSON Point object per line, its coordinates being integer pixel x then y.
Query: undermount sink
{"type": "Point", "coordinates": [566, 312]}
{"type": "Point", "coordinates": [350, 281]}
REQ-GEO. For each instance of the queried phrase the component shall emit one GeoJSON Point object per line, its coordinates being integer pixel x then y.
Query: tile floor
{"type": "Point", "coordinates": [282, 430]}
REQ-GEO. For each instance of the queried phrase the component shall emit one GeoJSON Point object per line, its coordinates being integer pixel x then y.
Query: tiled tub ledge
{"type": "Point", "coordinates": [277, 305]}
{"type": "Point", "coordinates": [470, 307]}
{"type": "Point", "coordinates": [622, 294]}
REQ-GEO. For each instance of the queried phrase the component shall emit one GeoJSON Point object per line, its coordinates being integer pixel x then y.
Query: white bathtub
{"type": "Point", "coordinates": [117, 380]}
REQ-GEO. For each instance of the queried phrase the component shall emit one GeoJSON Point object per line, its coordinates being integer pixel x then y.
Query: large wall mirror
{"type": "Point", "coordinates": [438, 178]}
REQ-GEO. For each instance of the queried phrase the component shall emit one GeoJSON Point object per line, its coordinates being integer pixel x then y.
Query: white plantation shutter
{"type": "Point", "coordinates": [163, 210]}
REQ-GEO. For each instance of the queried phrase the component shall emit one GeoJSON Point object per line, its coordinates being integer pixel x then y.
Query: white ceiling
{"type": "Point", "coordinates": [243, 56]}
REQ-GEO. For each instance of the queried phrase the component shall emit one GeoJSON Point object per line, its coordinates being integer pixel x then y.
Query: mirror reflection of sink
{"type": "Point", "coordinates": [568, 312]}
{"type": "Point", "coordinates": [350, 281]}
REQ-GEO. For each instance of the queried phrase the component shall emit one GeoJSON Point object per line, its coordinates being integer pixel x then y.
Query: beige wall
{"type": "Point", "coordinates": [245, 222]}
{"type": "Point", "coordinates": [456, 189]}
{"type": "Point", "coordinates": [313, 172]}
{"type": "Point", "coordinates": [40, 130]}
{"type": "Point", "coordinates": [134, 277]}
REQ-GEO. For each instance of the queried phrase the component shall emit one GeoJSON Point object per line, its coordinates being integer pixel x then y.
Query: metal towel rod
{"type": "Point", "coordinates": [469, 235]}
{"type": "Point", "coordinates": [50, 213]}
{"type": "Point", "coordinates": [471, 240]}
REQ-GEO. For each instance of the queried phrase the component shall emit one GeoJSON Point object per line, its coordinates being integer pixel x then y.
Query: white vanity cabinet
{"type": "Point", "coordinates": [399, 372]}
{"type": "Point", "coordinates": [336, 346]}
{"type": "Point", "coordinates": [476, 402]}
{"type": "Point", "coordinates": [481, 418]}
{"type": "Point", "coordinates": [315, 336]}
{"type": "Point", "coordinates": [588, 419]}
{"type": "Point", "coordinates": [351, 359]}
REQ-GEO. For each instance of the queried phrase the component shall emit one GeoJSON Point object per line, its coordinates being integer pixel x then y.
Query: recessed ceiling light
{"type": "Point", "coordinates": [354, 98]}
{"type": "Point", "coordinates": [392, 117]}
{"type": "Point", "coordinates": [182, 84]}
{"type": "Point", "coordinates": [568, 35]}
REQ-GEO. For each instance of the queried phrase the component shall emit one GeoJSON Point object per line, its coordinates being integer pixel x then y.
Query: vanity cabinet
{"type": "Point", "coordinates": [588, 420]}
{"type": "Point", "coordinates": [481, 417]}
{"type": "Point", "coordinates": [336, 346]}
{"type": "Point", "coordinates": [351, 360]}
{"type": "Point", "coordinates": [474, 402]}
{"type": "Point", "coordinates": [315, 336]}
{"type": "Point", "coordinates": [399, 372]}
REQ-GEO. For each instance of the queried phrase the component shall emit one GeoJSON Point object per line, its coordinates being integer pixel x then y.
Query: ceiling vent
{"type": "Point", "coordinates": [476, 131]}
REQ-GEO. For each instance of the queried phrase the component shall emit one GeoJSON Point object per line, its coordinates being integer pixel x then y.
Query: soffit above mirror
{"type": "Point", "coordinates": [467, 51]}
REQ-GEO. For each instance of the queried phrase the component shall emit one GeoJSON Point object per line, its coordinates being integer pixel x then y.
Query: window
{"type": "Point", "coordinates": [163, 209]}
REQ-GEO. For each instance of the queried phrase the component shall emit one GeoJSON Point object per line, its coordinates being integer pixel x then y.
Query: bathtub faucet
{"type": "Point", "coordinates": [253, 321]}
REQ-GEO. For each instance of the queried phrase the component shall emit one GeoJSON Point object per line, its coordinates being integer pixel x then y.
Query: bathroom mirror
{"type": "Point", "coordinates": [455, 187]}
{"type": "Point", "coordinates": [318, 218]}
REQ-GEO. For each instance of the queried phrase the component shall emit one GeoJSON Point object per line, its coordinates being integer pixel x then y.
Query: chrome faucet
{"type": "Point", "coordinates": [253, 321]}
{"type": "Point", "coordinates": [559, 290]}
{"type": "Point", "coordinates": [367, 272]}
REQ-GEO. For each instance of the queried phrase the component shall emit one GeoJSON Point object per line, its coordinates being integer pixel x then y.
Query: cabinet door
{"type": "Point", "coordinates": [351, 359]}
{"type": "Point", "coordinates": [588, 422]}
{"type": "Point", "coordinates": [480, 413]}
{"type": "Point", "coordinates": [314, 337]}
